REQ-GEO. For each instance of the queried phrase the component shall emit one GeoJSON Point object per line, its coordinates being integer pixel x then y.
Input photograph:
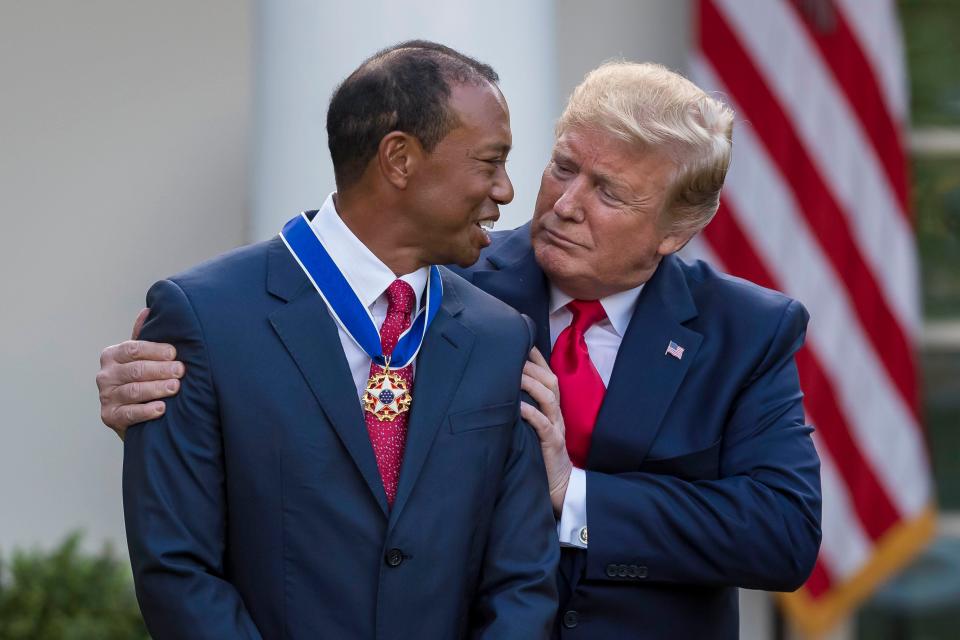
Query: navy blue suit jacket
{"type": "Point", "coordinates": [255, 508]}
{"type": "Point", "coordinates": [701, 475]}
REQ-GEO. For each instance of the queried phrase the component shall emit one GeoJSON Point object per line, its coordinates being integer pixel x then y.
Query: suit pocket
{"type": "Point", "coordinates": [699, 465]}
{"type": "Point", "coordinates": [484, 418]}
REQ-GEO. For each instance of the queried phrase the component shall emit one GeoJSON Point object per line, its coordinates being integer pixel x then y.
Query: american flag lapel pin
{"type": "Point", "coordinates": [675, 350]}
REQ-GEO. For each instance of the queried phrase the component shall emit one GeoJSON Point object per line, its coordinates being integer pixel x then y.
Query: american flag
{"type": "Point", "coordinates": [675, 350]}
{"type": "Point", "coordinates": [816, 205]}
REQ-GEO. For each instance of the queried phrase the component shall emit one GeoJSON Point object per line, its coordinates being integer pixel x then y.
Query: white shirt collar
{"type": "Point", "coordinates": [618, 307]}
{"type": "Point", "coordinates": [365, 272]}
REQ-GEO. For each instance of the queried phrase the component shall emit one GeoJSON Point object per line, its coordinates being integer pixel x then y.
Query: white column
{"type": "Point", "coordinates": [124, 160]}
{"type": "Point", "coordinates": [303, 49]}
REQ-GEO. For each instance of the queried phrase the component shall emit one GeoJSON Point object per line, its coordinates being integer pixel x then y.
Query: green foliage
{"type": "Point", "coordinates": [936, 199]}
{"type": "Point", "coordinates": [67, 594]}
{"type": "Point", "coordinates": [932, 48]}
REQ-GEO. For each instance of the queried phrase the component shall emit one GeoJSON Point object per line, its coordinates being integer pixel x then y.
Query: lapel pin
{"type": "Point", "coordinates": [675, 350]}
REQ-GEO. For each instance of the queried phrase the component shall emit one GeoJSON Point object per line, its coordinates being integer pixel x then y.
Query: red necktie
{"type": "Point", "coordinates": [389, 438]}
{"type": "Point", "coordinates": [581, 388]}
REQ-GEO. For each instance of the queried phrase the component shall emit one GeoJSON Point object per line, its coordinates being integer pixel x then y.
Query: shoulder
{"type": "Point", "coordinates": [718, 295]}
{"type": "Point", "coordinates": [228, 284]}
{"type": "Point", "coordinates": [745, 327]}
{"type": "Point", "coordinates": [233, 268]}
{"type": "Point", "coordinates": [505, 247]}
{"type": "Point", "coordinates": [482, 313]}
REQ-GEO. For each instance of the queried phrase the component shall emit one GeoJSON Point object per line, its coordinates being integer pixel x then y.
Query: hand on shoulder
{"type": "Point", "coordinates": [134, 376]}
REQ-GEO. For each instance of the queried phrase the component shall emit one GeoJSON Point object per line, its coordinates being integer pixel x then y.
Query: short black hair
{"type": "Point", "coordinates": [406, 88]}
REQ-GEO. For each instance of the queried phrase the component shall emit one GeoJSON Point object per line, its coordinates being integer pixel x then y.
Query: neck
{"type": "Point", "coordinates": [588, 289]}
{"type": "Point", "coordinates": [380, 232]}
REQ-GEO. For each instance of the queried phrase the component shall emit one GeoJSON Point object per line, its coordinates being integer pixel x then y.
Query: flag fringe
{"type": "Point", "coordinates": [893, 551]}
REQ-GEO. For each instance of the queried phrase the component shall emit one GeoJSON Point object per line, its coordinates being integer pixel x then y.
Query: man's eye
{"type": "Point", "coordinates": [610, 196]}
{"type": "Point", "coordinates": [562, 170]}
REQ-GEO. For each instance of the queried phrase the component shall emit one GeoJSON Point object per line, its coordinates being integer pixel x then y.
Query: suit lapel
{"type": "Point", "coordinates": [311, 336]}
{"type": "Point", "coordinates": [645, 378]}
{"type": "Point", "coordinates": [518, 280]}
{"type": "Point", "coordinates": [440, 365]}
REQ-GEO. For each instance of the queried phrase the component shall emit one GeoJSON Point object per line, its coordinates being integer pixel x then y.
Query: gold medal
{"type": "Point", "coordinates": [387, 395]}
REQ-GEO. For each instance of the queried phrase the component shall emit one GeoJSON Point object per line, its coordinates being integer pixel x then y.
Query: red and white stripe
{"type": "Point", "coordinates": [815, 205]}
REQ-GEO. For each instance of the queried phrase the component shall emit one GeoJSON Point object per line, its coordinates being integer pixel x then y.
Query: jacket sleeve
{"type": "Point", "coordinates": [173, 494]}
{"type": "Point", "coordinates": [757, 526]}
{"type": "Point", "coordinates": [517, 593]}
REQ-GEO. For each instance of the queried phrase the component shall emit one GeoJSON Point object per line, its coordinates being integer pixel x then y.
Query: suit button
{"type": "Point", "coordinates": [571, 619]}
{"type": "Point", "coordinates": [622, 571]}
{"type": "Point", "coordinates": [394, 557]}
{"type": "Point", "coordinates": [632, 571]}
{"type": "Point", "coordinates": [641, 572]}
{"type": "Point", "coordinates": [612, 570]}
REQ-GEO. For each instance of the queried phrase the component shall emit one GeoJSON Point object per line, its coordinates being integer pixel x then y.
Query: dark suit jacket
{"type": "Point", "coordinates": [702, 475]}
{"type": "Point", "coordinates": [255, 508]}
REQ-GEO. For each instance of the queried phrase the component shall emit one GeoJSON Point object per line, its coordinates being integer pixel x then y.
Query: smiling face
{"type": "Point", "coordinates": [598, 226]}
{"type": "Point", "coordinates": [463, 180]}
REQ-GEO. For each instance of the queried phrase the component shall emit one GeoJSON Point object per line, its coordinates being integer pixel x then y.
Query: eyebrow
{"type": "Point", "coordinates": [609, 180]}
{"type": "Point", "coordinates": [499, 149]}
{"type": "Point", "coordinates": [602, 178]}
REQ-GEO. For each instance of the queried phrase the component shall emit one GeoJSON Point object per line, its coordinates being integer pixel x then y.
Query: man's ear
{"type": "Point", "coordinates": [675, 241]}
{"type": "Point", "coordinates": [398, 156]}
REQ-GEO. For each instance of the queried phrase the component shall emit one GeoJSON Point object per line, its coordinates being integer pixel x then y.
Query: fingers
{"type": "Point", "coordinates": [538, 359]}
{"type": "Point", "coordinates": [142, 392]}
{"type": "Point", "coordinates": [134, 375]}
{"type": "Point", "coordinates": [537, 420]}
{"type": "Point", "coordinates": [138, 323]}
{"type": "Point", "coordinates": [538, 391]}
{"type": "Point", "coordinates": [115, 374]}
{"type": "Point", "coordinates": [542, 386]}
{"type": "Point", "coordinates": [549, 403]}
{"type": "Point", "coordinates": [541, 373]}
{"type": "Point", "coordinates": [119, 417]}
{"type": "Point", "coordinates": [148, 370]}
{"type": "Point", "coordinates": [133, 350]}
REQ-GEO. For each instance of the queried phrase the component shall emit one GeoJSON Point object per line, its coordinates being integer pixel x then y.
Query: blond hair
{"type": "Point", "coordinates": [654, 109]}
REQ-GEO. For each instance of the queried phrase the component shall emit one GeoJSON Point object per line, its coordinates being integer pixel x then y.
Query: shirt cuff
{"type": "Point", "coordinates": [572, 528]}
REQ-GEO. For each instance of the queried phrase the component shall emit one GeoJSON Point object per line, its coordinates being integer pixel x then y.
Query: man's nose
{"type": "Point", "coordinates": [502, 192]}
{"type": "Point", "coordinates": [570, 203]}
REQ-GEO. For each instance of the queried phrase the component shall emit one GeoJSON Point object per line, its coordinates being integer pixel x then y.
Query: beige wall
{"type": "Point", "coordinates": [123, 158]}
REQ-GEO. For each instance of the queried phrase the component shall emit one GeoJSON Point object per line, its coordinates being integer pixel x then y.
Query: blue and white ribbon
{"type": "Point", "coordinates": [348, 311]}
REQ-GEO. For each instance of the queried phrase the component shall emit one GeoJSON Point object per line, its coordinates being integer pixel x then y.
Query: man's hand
{"type": "Point", "coordinates": [538, 381]}
{"type": "Point", "coordinates": [133, 376]}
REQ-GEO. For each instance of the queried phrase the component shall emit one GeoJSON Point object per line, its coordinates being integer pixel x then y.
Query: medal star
{"type": "Point", "coordinates": [386, 396]}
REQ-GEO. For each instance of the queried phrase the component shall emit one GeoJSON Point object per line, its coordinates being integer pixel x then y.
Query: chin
{"type": "Point", "coordinates": [550, 254]}
{"type": "Point", "coordinates": [556, 264]}
{"type": "Point", "coordinates": [468, 261]}
{"type": "Point", "coordinates": [465, 257]}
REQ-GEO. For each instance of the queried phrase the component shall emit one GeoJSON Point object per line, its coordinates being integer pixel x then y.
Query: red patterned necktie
{"type": "Point", "coordinates": [581, 388]}
{"type": "Point", "coordinates": [389, 437]}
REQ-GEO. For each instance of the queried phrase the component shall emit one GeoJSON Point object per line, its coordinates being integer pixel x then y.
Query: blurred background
{"type": "Point", "coordinates": [137, 139]}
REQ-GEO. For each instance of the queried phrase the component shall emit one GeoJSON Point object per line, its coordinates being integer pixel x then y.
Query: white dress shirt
{"type": "Point", "coordinates": [603, 342]}
{"type": "Point", "coordinates": [368, 277]}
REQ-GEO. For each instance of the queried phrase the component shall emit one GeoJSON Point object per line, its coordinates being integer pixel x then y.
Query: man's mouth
{"type": "Point", "coordinates": [486, 226]}
{"type": "Point", "coordinates": [563, 240]}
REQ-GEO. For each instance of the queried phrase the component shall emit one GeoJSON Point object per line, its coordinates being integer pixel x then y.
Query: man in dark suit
{"type": "Point", "coordinates": [666, 395]}
{"type": "Point", "coordinates": [269, 501]}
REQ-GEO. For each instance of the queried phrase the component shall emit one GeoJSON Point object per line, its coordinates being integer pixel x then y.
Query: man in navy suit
{"type": "Point", "coordinates": [269, 501]}
{"type": "Point", "coordinates": [667, 399]}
